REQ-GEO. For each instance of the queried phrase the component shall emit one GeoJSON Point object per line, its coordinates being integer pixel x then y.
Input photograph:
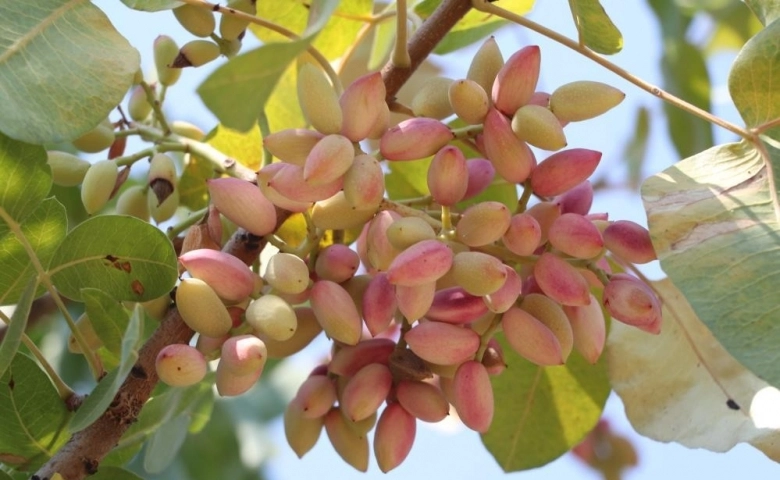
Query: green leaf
{"type": "Point", "coordinates": [691, 410]}
{"type": "Point", "coordinates": [595, 28]}
{"type": "Point", "coordinates": [635, 152]}
{"type": "Point", "coordinates": [32, 430]}
{"type": "Point", "coordinates": [238, 91]}
{"type": "Point", "coordinates": [685, 75]}
{"type": "Point", "coordinates": [63, 68]}
{"type": "Point", "coordinates": [108, 317]}
{"type": "Point", "coordinates": [474, 26]}
{"type": "Point", "coordinates": [766, 10]}
{"type": "Point", "coordinates": [43, 230]}
{"type": "Point", "coordinates": [114, 473]}
{"type": "Point", "coordinates": [734, 25]}
{"type": "Point", "coordinates": [151, 5]}
{"type": "Point", "coordinates": [193, 192]}
{"type": "Point", "coordinates": [542, 412]}
{"type": "Point", "coordinates": [5, 476]}
{"type": "Point", "coordinates": [26, 177]}
{"type": "Point", "coordinates": [713, 225]}
{"type": "Point", "coordinates": [498, 191]}
{"type": "Point", "coordinates": [103, 394]}
{"type": "Point", "coordinates": [123, 256]}
{"type": "Point", "coordinates": [9, 345]}
{"type": "Point", "coordinates": [754, 81]}
{"type": "Point", "coordinates": [408, 179]}
{"type": "Point", "coordinates": [382, 44]}
{"type": "Point", "coordinates": [164, 444]}
{"type": "Point", "coordinates": [245, 147]}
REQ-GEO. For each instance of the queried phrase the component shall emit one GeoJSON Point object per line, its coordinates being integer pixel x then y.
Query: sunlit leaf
{"type": "Point", "coordinates": [193, 192]}
{"type": "Point", "coordinates": [151, 5]}
{"type": "Point", "coordinates": [14, 331]}
{"type": "Point", "coordinates": [595, 28]}
{"type": "Point", "coordinates": [683, 386]}
{"type": "Point", "coordinates": [107, 316]}
{"type": "Point", "coordinates": [407, 179]}
{"type": "Point", "coordinates": [246, 148]}
{"type": "Point", "coordinates": [32, 430]}
{"type": "Point", "coordinates": [26, 177]}
{"type": "Point", "coordinates": [754, 81]}
{"type": "Point", "coordinates": [382, 44]}
{"type": "Point", "coordinates": [713, 225]}
{"type": "Point", "coordinates": [97, 254]}
{"type": "Point", "coordinates": [43, 230]}
{"type": "Point", "coordinates": [766, 10]}
{"type": "Point", "coordinates": [101, 397]}
{"type": "Point", "coordinates": [63, 68]}
{"type": "Point", "coordinates": [542, 412]}
{"type": "Point", "coordinates": [734, 25]}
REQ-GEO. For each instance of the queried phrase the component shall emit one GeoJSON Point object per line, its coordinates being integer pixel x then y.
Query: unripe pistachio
{"type": "Point", "coordinates": [264, 177]}
{"type": "Point", "coordinates": [577, 200]}
{"type": "Point", "coordinates": [531, 338]}
{"type": "Point", "coordinates": [292, 145]}
{"type": "Point", "coordinates": [201, 309]}
{"type": "Point", "coordinates": [364, 182]}
{"type": "Point", "coordinates": [510, 156]}
{"type": "Point", "coordinates": [186, 129]}
{"type": "Point", "coordinates": [455, 305]}
{"type": "Point", "coordinates": [442, 343]}
{"type": "Point", "coordinates": [84, 326]}
{"type": "Point", "coordinates": [545, 214]}
{"type": "Point", "coordinates": [243, 355]}
{"type": "Point", "coordinates": [493, 359]}
{"type": "Point", "coordinates": [583, 99]}
{"type": "Point", "coordinates": [336, 213]}
{"type": "Point", "coordinates": [363, 103]}
{"type": "Point", "coordinates": [560, 281]}
{"type": "Point", "coordinates": [473, 395]}
{"type": "Point", "coordinates": [469, 101]}
{"type": "Point", "coordinates": [432, 99]}
{"type": "Point", "coordinates": [382, 123]}
{"type": "Point", "coordinates": [422, 263]}
{"type": "Point", "coordinates": [180, 365]}
{"type": "Point", "coordinates": [589, 329]}
{"type": "Point", "coordinates": [230, 26]}
{"type": "Point", "coordinates": [485, 65]}
{"type": "Point", "coordinates": [288, 181]}
{"type": "Point", "coordinates": [230, 384]}
{"type": "Point", "coordinates": [539, 127]}
{"type": "Point", "coordinates": [414, 138]}
{"type": "Point", "coordinates": [348, 360]}
{"type": "Point", "coordinates": [478, 273]}
{"type": "Point", "coordinates": [524, 235]}
{"type": "Point", "coordinates": [308, 328]}
{"type": "Point", "coordinates": [316, 396]}
{"type": "Point", "coordinates": [98, 184]}
{"type": "Point", "coordinates": [272, 317]}
{"type": "Point", "coordinates": [244, 204]}
{"type": "Point", "coordinates": [632, 302]}
{"type": "Point", "coordinates": [166, 210]}
{"type": "Point", "coordinates": [210, 347]}
{"type": "Point", "coordinates": [394, 437]}
{"type": "Point", "coordinates": [379, 304]}
{"type": "Point", "coordinates": [448, 176]}
{"type": "Point", "coordinates": [552, 315]}
{"type": "Point", "coordinates": [96, 140]}
{"type": "Point", "coordinates": [351, 446]}
{"type": "Point", "coordinates": [165, 52]}
{"type": "Point", "coordinates": [422, 400]}
{"type": "Point", "coordinates": [366, 391]}
{"type": "Point", "coordinates": [133, 202]}
{"type": "Point", "coordinates": [336, 312]}
{"type": "Point", "coordinates": [337, 263]}
{"type": "Point", "coordinates": [483, 223]}
{"type": "Point", "coordinates": [629, 241]}
{"type": "Point", "coordinates": [379, 252]}
{"type": "Point", "coordinates": [414, 301]}
{"type": "Point", "coordinates": [138, 107]}
{"type": "Point", "coordinates": [329, 160]}
{"type": "Point", "coordinates": [318, 100]}
{"type": "Point", "coordinates": [481, 173]}
{"type": "Point", "coordinates": [196, 53]}
{"type": "Point", "coordinates": [575, 235]}
{"type": "Point", "coordinates": [563, 171]}
{"type": "Point", "coordinates": [158, 307]}
{"type": "Point", "coordinates": [287, 273]}
{"type": "Point", "coordinates": [516, 81]}
{"type": "Point", "coordinates": [196, 20]}
{"type": "Point", "coordinates": [502, 299]}
{"type": "Point", "coordinates": [405, 232]}
{"type": "Point", "coordinates": [67, 170]}
{"type": "Point", "coordinates": [302, 433]}
{"type": "Point", "coordinates": [162, 176]}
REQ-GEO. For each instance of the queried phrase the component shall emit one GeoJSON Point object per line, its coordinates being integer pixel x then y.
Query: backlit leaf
{"type": "Point", "coordinates": [107, 316]}
{"type": "Point", "coordinates": [14, 331]}
{"type": "Point", "coordinates": [766, 10]}
{"type": "Point", "coordinates": [595, 28]}
{"type": "Point", "coordinates": [245, 148]}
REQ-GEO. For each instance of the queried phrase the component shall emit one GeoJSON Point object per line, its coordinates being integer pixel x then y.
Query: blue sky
{"type": "Point", "coordinates": [451, 451]}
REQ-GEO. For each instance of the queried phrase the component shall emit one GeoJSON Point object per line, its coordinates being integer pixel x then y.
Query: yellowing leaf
{"type": "Point", "coordinates": [683, 386]}
{"type": "Point", "coordinates": [244, 147]}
